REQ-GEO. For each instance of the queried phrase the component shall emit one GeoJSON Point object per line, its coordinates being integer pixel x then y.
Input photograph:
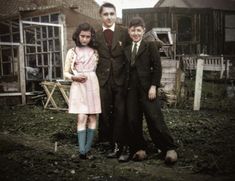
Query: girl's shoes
{"type": "Point", "coordinates": [87, 156]}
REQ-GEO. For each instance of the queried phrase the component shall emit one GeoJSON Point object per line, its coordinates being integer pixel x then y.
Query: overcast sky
{"type": "Point", "coordinates": [128, 4]}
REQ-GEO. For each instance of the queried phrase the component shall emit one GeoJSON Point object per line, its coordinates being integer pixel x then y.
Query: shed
{"type": "Point", "coordinates": [201, 26]}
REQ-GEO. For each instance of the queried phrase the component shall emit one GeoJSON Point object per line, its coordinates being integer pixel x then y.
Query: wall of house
{"type": "Point", "coordinates": [72, 20]}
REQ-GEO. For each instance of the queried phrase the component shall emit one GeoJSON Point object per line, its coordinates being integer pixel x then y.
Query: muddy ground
{"type": "Point", "coordinates": [205, 139]}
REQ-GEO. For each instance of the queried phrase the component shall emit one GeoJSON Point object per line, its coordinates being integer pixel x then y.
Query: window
{"type": "Point", "coordinates": [184, 26]}
{"type": "Point", "coordinates": [229, 28]}
{"type": "Point", "coordinates": [43, 49]}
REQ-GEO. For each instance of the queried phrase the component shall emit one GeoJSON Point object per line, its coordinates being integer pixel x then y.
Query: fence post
{"type": "Point", "coordinates": [198, 85]}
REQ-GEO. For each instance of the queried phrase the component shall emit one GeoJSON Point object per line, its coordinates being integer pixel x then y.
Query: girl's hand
{"type": "Point", "coordinates": [80, 78]}
{"type": "Point", "coordinates": [152, 94]}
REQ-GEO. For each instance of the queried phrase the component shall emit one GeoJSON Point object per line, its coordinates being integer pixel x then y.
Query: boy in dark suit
{"type": "Point", "coordinates": [143, 82]}
{"type": "Point", "coordinates": [111, 72]}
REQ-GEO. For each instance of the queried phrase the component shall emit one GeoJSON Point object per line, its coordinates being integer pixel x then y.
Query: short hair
{"type": "Point", "coordinates": [84, 27]}
{"type": "Point", "coordinates": [106, 5]}
{"type": "Point", "coordinates": [136, 21]}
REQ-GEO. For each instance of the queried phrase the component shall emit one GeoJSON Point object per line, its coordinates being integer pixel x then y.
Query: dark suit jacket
{"type": "Point", "coordinates": [147, 63]}
{"type": "Point", "coordinates": [112, 62]}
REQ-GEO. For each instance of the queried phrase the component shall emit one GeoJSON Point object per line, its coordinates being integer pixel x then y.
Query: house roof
{"type": "Point", "coordinates": [214, 4]}
{"type": "Point", "coordinates": [10, 8]}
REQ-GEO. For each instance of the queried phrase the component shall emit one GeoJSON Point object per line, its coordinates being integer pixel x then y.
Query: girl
{"type": "Point", "coordinates": [84, 98]}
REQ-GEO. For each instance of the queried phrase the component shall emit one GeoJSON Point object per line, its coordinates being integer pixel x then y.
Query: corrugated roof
{"type": "Point", "coordinates": [214, 4]}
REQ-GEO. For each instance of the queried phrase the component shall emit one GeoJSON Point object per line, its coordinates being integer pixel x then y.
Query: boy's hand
{"type": "Point", "coordinates": [152, 94]}
{"type": "Point", "coordinates": [80, 78]}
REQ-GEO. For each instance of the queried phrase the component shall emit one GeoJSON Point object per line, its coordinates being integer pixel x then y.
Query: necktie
{"type": "Point", "coordinates": [133, 54]}
{"type": "Point", "coordinates": [108, 35]}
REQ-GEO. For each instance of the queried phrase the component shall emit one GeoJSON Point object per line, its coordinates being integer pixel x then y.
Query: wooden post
{"type": "Point", "coordinates": [22, 66]}
{"type": "Point", "coordinates": [198, 85]}
{"type": "Point", "coordinates": [63, 41]}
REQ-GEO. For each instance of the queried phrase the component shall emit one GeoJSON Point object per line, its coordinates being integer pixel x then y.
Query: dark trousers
{"type": "Point", "coordinates": [112, 119]}
{"type": "Point", "coordinates": [139, 104]}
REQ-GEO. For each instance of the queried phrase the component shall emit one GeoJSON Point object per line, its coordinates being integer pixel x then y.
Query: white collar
{"type": "Point", "coordinates": [111, 28]}
{"type": "Point", "coordinates": [138, 43]}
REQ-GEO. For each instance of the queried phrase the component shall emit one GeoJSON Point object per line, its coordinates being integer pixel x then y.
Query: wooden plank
{"type": "Point", "coordinates": [198, 85]}
{"type": "Point", "coordinates": [169, 63]}
{"type": "Point", "coordinates": [169, 70]}
{"type": "Point", "coordinates": [171, 76]}
{"type": "Point", "coordinates": [163, 80]}
{"type": "Point", "coordinates": [49, 96]}
{"type": "Point", "coordinates": [22, 66]}
{"type": "Point", "coordinates": [22, 74]}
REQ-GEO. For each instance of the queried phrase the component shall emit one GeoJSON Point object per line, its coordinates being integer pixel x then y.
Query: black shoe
{"type": "Point", "coordinates": [125, 155]}
{"type": "Point", "coordinates": [82, 156]}
{"type": "Point", "coordinates": [115, 153]}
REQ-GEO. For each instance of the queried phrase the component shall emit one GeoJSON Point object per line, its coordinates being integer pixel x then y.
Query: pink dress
{"type": "Point", "coordinates": [85, 97]}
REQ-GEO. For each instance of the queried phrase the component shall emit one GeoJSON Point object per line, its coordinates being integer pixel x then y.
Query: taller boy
{"type": "Point", "coordinates": [111, 72]}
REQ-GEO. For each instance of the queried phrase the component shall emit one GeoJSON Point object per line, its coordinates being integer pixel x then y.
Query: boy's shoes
{"type": "Point", "coordinates": [90, 156]}
{"type": "Point", "coordinates": [82, 156]}
{"type": "Point", "coordinates": [115, 153]}
{"type": "Point", "coordinates": [171, 157]}
{"type": "Point", "coordinates": [125, 154]}
{"type": "Point", "coordinates": [139, 155]}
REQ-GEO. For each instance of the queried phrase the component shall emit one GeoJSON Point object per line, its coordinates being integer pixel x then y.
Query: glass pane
{"type": "Point", "coordinates": [4, 28]}
{"type": "Point", "coordinates": [51, 48]}
{"type": "Point", "coordinates": [57, 59]}
{"type": "Point", "coordinates": [57, 45]}
{"type": "Point", "coordinates": [15, 27]}
{"type": "Point", "coordinates": [6, 38]}
{"type": "Point", "coordinates": [39, 60]}
{"type": "Point", "coordinates": [39, 48]}
{"type": "Point", "coordinates": [6, 68]}
{"type": "Point", "coordinates": [55, 18]}
{"type": "Point", "coordinates": [6, 55]}
{"type": "Point", "coordinates": [50, 31]}
{"type": "Point", "coordinates": [45, 57]}
{"type": "Point", "coordinates": [56, 32]}
{"type": "Point", "coordinates": [44, 32]}
{"type": "Point", "coordinates": [30, 49]}
{"type": "Point", "coordinates": [15, 51]}
{"type": "Point", "coordinates": [30, 39]}
{"type": "Point", "coordinates": [31, 60]}
{"type": "Point", "coordinates": [45, 19]}
{"type": "Point", "coordinates": [16, 37]}
{"type": "Point", "coordinates": [38, 33]}
{"type": "Point", "coordinates": [58, 72]}
{"type": "Point", "coordinates": [35, 19]}
{"type": "Point", "coordinates": [185, 29]}
{"type": "Point", "coordinates": [44, 46]}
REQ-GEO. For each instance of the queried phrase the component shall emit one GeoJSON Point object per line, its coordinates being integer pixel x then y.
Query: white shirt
{"type": "Point", "coordinates": [111, 28]}
{"type": "Point", "coordinates": [137, 47]}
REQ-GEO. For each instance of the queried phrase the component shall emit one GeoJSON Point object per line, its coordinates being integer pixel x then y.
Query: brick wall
{"type": "Point", "coordinates": [87, 7]}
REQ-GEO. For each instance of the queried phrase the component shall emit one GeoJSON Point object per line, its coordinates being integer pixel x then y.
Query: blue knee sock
{"type": "Point", "coordinates": [82, 141]}
{"type": "Point", "coordinates": [90, 136]}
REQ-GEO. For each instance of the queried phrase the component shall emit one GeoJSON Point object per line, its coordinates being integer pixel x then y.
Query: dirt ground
{"type": "Point", "coordinates": [29, 134]}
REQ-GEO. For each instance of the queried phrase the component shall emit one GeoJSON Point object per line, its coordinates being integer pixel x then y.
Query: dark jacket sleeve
{"type": "Point", "coordinates": [156, 64]}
